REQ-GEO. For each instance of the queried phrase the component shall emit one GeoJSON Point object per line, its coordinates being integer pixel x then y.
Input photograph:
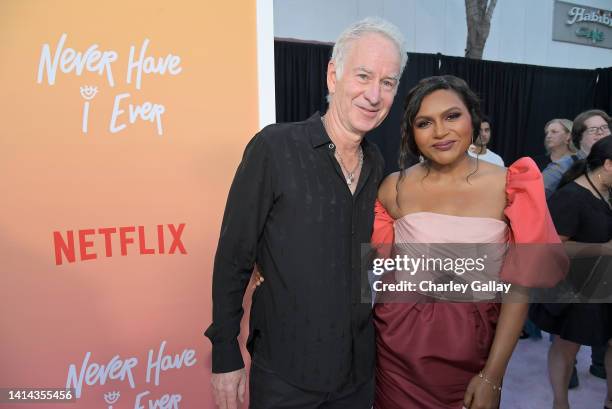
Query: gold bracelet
{"type": "Point", "coordinates": [495, 387]}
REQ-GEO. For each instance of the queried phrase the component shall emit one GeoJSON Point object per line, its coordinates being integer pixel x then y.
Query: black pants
{"type": "Point", "coordinates": [268, 391]}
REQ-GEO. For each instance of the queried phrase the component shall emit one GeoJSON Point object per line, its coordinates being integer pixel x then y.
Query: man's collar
{"type": "Point", "coordinates": [319, 136]}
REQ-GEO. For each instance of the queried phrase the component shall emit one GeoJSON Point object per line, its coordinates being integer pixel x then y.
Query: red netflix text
{"type": "Point", "coordinates": [127, 240]}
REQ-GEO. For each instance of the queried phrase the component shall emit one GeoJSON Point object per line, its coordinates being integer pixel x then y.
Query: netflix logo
{"type": "Point", "coordinates": [89, 244]}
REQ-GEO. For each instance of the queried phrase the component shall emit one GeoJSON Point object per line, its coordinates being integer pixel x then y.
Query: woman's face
{"type": "Point", "coordinates": [442, 127]}
{"type": "Point", "coordinates": [556, 136]}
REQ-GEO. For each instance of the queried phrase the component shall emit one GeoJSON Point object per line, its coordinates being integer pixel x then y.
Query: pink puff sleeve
{"type": "Point", "coordinates": [383, 235]}
{"type": "Point", "coordinates": [536, 257]}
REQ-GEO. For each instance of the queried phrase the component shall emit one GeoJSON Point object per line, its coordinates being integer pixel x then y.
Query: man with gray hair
{"type": "Point", "coordinates": [299, 208]}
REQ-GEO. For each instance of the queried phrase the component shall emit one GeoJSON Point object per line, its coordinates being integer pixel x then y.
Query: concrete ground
{"type": "Point", "coordinates": [526, 384]}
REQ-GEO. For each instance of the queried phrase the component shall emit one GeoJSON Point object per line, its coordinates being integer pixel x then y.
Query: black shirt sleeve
{"type": "Point", "coordinates": [565, 209]}
{"type": "Point", "coordinates": [249, 201]}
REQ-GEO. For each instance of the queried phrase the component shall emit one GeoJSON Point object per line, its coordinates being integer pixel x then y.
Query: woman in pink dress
{"type": "Point", "coordinates": [437, 355]}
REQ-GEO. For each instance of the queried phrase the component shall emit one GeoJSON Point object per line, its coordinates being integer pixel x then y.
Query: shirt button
{"type": "Point", "coordinates": [331, 146]}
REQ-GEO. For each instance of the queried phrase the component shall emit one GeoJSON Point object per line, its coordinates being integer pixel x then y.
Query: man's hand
{"type": "Point", "coordinates": [226, 386]}
{"type": "Point", "coordinates": [258, 279]}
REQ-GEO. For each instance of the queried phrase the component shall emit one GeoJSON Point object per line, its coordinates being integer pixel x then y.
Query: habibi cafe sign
{"type": "Point", "coordinates": [582, 25]}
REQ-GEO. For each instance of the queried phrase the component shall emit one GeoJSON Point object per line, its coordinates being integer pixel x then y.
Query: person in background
{"type": "Point", "coordinates": [300, 206]}
{"type": "Point", "coordinates": [588, 127]}
{"type": "Point", "coordinates": [479, 147]}
{"type": "Point", "coordinates": [557, 141]}
{"type": "Point", "coordinates": [582, 213]}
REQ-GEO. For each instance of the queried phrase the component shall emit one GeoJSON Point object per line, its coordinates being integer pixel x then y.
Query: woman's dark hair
{"type": "Point", "coordinates": [579, 126]}
{"type": "Point", "coordinates": [408, 146]}
{"type": "Point", "coordinates": [601, 150]}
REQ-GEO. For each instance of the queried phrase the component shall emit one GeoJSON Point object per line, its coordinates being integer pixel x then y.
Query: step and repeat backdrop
{"type": "Point", "coordinates": [122, 126]}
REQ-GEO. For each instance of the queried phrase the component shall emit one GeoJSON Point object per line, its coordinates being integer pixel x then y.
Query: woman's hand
{"type": "Point", "coordinates": [257, 279]}
{"type": "Point", "coordinates": [481, 395]}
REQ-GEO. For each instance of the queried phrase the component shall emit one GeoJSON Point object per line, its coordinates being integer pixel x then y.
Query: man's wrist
{"type": "Point", "coordinates": [226, 357]}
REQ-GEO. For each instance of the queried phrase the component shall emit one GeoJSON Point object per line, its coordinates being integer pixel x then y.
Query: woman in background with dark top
{"type": "Point", "coordinates": [557, 141]}
{"type": "Point", "coordinates": [581, 212]}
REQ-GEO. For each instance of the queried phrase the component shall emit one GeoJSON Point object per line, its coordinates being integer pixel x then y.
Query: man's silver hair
{"type": "Point", "coordinates": [361, 28]}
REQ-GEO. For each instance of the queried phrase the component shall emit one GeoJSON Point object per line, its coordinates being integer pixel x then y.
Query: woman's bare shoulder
{"type": "Point", "coordinates": [491, 173]}
{"type": "Point", "coordinates": [387, 192]}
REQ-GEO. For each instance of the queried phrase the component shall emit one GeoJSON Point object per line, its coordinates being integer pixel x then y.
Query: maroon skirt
{"type": "Point", "coordinates": [427, 353]}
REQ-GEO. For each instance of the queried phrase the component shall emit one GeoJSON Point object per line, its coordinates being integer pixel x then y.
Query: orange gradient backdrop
{"type": "Point", "coordinates": [56, 178]}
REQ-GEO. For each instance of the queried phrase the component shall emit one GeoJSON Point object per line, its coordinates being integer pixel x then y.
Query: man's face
{"type": "Point", "coordinates": [362, 96]}
{"type": "Point", "coordinates": [590, 136]}
{"type": "Point", "coordinates": [485, 134]}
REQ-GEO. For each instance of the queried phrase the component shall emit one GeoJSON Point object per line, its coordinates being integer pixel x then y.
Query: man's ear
{"type": "Point", "coordinates": [608, 165]}
{"type": "Point", "coordinates": [331, 77]}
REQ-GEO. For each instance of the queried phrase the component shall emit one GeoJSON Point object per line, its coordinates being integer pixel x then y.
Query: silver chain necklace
{"type": "Point", "coordinates": [349, 176]}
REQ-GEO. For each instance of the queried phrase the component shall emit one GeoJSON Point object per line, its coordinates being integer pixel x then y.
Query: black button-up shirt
{"type": "Point", "coordinates": [290, 212]}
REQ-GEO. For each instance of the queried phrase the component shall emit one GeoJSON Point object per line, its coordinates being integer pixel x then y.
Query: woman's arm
{"type": "Point", "coordinates": [484, 389]}
{"type": "Point", "coordinates": [509, 326]}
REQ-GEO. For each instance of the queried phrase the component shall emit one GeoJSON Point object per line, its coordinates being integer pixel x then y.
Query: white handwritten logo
{"type": "Point", "coordinates": [117, 369]}
{"type": "Point", "coordinates": [89, 93]}
{"type": "Point", "coordinates": [91, 374]}
{"type": "Point", "coordinates": [148, 65]}
{"type": "Point", "coordinates": [111, 397]}
{"type": "Point", "coordinates": [66, 60]}
{"type": "Point", "coordinates": [165, 362]}
{"type": "Point", "coordinates": [147, 112]}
